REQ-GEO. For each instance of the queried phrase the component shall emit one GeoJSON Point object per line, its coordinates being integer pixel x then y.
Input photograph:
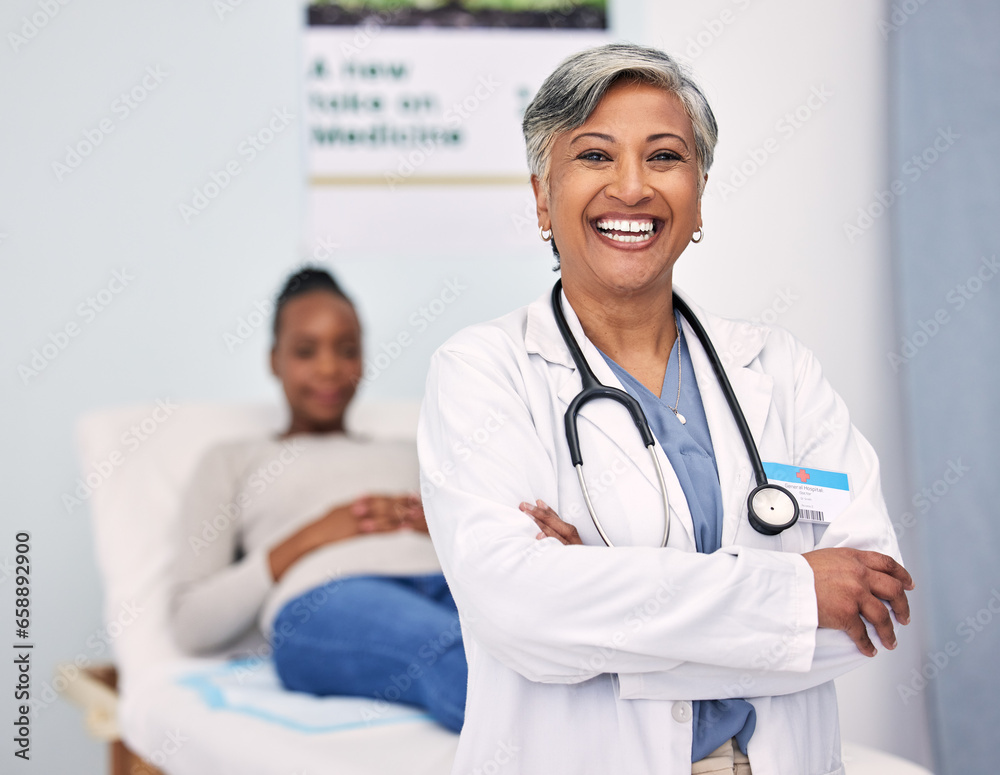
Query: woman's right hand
{"type": "Point", "coordinates": [365, 515]}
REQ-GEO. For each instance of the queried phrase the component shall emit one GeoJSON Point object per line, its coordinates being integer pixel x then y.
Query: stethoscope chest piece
{"type": "Point", "coordinates": [772, 509]}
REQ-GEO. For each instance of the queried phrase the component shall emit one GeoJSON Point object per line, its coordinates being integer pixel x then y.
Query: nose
{"type": "Point", "coordinates": [629, 184]}
{"type": "Point", "coordinates": [327, 364]}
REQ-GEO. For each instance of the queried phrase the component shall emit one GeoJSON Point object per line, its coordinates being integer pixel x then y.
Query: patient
{"type": "Point", "coordinates": [315, 537]}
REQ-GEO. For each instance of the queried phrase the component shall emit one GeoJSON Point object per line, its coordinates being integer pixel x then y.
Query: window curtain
{"type": "Point", "coordinates": [944, 204]}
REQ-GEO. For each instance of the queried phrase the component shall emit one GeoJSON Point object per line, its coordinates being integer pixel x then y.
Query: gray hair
{"type": "Point", "coordinates": [571, 93]}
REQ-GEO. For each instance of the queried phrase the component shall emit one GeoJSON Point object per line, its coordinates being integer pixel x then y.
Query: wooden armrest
{"type": "Point", "coordinates": [95, 689]}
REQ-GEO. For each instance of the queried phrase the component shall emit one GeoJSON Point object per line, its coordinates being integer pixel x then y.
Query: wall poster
{"type": "Point", "coordinates": [412, 118]}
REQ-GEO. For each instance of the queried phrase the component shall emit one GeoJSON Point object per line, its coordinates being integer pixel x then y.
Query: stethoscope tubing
{"type": "Point", "coordinates": [727, 389]}
{"type": "Point", "coordinates": [593, 389]}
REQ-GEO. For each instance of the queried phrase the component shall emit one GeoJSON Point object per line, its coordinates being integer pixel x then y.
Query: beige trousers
{"type": "Point", "coordinates": [727, 759]}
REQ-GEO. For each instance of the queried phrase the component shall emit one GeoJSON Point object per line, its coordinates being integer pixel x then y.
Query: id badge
{"type": "Point", "coordinates": [822, 495]}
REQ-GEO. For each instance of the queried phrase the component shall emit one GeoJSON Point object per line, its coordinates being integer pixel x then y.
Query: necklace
{"type": "Point", "coordinates": [678, 415]}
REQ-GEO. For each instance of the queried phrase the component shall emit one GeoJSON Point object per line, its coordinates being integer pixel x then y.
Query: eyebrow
{"type": "Point", "coordinates": [610, 139]}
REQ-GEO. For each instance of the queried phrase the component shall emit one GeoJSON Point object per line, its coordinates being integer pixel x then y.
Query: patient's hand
{"type": "Point", "coordinates": [362, 516]}
{"type": "Point", "coordinates": [550, 524]}
{"type": "Point", "coordinates": [382, 513]}
{"type": "Point", "coordinates": [413, 513]}
{"type": "Point", "coordinates": [366, 515]}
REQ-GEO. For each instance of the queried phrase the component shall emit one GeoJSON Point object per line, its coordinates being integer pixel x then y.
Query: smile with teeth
{"type": "Point", "coordinates": [626, 231]}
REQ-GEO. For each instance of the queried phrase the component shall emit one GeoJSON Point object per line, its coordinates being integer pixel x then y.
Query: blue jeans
{"type": "Point", "coordinates": [393, 638]}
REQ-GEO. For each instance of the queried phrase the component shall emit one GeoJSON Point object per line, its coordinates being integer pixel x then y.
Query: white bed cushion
{"type": "Point", "coordinates": [206, 716]}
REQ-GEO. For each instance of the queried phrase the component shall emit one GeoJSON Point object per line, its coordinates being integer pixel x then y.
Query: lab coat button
{"type": "Point", "coordinates": [682, 711]}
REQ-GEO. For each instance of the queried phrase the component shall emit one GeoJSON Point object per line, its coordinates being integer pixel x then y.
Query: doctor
{"type": "Point", "coordinates": [717, 652]}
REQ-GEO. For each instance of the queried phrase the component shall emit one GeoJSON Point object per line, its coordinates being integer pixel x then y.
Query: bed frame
{"type": "Point", "coordinates": [95, 689]}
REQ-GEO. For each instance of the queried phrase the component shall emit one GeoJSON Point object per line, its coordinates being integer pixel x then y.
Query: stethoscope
{"type": "Point", "coordinates": [770, 508]}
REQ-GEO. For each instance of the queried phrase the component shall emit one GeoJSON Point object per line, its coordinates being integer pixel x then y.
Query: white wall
{"type": "Point", "coordinates": [162, 336]}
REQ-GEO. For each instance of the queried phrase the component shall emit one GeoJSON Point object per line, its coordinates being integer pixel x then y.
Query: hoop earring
{"type": "Point", "coordinates": [545, 234]}
{"type": "Point", "coordinates": [701, 236]}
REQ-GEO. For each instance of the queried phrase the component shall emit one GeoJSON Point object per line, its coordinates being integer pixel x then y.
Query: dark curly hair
{"type": "Point", "coordinates": [306, 280]}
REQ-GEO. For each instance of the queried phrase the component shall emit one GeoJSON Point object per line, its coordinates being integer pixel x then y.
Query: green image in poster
{"type": "Point", "coordinates": [463, 14]}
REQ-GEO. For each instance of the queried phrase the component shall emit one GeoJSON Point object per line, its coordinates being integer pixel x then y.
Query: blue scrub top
{"type": "Point", "coordinates": [691, 455]}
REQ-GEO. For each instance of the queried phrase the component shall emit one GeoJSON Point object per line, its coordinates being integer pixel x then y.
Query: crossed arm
{"type": "Point", "coordinates": [851, 584]}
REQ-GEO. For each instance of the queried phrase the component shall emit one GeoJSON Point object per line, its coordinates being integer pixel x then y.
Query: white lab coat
{"type": "Point", "coordinates": [584, 659]}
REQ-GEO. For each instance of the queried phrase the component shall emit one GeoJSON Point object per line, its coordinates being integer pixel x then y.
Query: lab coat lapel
{"type": "Point", "coordinates": [542, 336]}
{"type": "Point", "coordinates": [738, 344]}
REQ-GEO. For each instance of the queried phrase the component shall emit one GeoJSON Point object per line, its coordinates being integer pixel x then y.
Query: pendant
{"type": "Point", "coordinates": [680, 417]}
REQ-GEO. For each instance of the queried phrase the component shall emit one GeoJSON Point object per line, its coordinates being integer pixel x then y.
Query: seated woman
{"type": "Point", "coordinates": [321, 543]}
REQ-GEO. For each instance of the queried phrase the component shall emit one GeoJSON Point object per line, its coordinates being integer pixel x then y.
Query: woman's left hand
{"type": "Point", "coordinates": [550, 524]}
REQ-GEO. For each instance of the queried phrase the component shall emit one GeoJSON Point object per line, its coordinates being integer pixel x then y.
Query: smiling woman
{"type": "Point", "coordinates": [753, 615]}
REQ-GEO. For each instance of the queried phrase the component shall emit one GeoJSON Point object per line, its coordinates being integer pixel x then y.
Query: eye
{"type": "Point", "coordinates": [666, 155]}
{"type": "Point", "coordinates": [593, 156]}
{"type": "Point", "coordinates": [304, 351]}
{"type": "Point", "coordinates": [349, 351]}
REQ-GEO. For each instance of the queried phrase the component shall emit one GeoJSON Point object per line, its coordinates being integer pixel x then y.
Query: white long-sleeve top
{"type": "Point", "coordinates": [584, 659]}
{"type": "Point", "coordinates": [247, 496]}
